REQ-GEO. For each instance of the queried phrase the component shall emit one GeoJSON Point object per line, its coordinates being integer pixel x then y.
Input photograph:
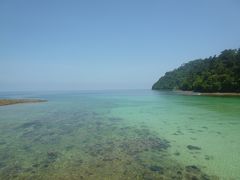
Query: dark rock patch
{"type": "Point", "coordinates": [179, 132]}
{"type": "Point", "coordinates": [99, 149]}
{"type": "Point", "coordinates": [177, 153]}
{"type": "Point", "coordinates": [36, 165]}
{"type": "Point", "coordinates": [207, 157]}
{"type": "Point", "coordinates": [193, 172]}
{"type": "Point", "coordinates": [158, 169]}
{"type": "Point", "coordinates": [192, 169]}
{"type": "Point", "coordinates": [52, 154]}
{"type": "Point", "coordinates": [206, 177]}
{"type": "Point", "coordinates": [30, 169]}
{"type": "Point", "coordinates": [69, 147]}
{"type": "Point", "coordinates": [138, 145]}
{"type": "Point", "coordinates": [51, 158]}
{"type": "Point", "coordinates": [191, 147]}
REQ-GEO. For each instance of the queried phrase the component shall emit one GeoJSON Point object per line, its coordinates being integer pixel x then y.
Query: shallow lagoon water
{"type": "Point", "coordinates": [137, 134]}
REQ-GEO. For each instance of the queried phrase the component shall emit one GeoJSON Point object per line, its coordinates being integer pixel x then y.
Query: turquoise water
{"type": "Point", "coordinates": [137, 134]}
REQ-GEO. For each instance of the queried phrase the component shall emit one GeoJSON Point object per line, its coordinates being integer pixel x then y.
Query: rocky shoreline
{"type": "Point", "coordinates": [5, 102]}
{"type": "Point", "coordinates": [191, 93]}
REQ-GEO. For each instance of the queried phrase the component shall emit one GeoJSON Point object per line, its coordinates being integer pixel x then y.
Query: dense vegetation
{"type": "Point", "coordinates": [214, 74]}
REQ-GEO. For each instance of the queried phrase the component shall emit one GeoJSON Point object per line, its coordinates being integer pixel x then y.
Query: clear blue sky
{"type": "Point", "coordinates": [99, 44]}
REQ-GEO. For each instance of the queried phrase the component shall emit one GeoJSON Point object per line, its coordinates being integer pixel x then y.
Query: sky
{"type": "Point", "coordinates": [108, 44]}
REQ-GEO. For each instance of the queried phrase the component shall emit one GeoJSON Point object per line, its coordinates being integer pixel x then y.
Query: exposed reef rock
{"type": "Point", "coordinates": [4, 102]}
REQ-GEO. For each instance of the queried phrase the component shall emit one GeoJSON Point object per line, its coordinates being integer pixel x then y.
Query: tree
{"type": "Point", "coordinates": [214, 74]}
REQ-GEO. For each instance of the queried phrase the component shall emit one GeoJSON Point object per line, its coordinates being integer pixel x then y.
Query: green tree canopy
{"type": "Point", "coordinates": [214, 74]}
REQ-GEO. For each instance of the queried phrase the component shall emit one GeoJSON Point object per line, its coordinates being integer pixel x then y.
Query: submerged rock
{"type": "Point", "coordinates": [207, 157]}
{"type": "Point", "coordinates": [52, 155]}
{"type": "Point", "coordinates": [35, 165]}
{"type": "Point", "coordinates": [177, 153]}
{"type": "Point", "coordinates": [191, 147]}
{"type": "Point", "coordinates": [138, 145]}
{"type": "Point", "coordinates": [192, 169]}
{"type": "Point", "coordinates": [158, 169]}
{"type": "Point", "coordinates": [69, 147]}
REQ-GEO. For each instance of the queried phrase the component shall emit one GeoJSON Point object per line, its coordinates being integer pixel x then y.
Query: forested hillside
{"type": "Point", "coordinates": [214, 74]}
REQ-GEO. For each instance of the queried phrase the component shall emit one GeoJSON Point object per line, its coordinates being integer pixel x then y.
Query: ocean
{"type": "Point", "coordinates": [120, 134]}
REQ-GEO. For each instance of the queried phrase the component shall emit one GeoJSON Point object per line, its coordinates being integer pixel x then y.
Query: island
{"type": "Point", "coordinates": [214, 75]}
{"type": "Point", "coordinates": [4, 102]}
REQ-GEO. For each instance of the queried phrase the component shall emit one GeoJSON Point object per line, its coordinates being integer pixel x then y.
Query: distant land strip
{"type": "Point", "coordinates": [4, 102]}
